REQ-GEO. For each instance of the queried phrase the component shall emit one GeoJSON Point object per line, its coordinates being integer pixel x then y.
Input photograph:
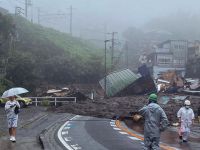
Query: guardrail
{"type": "Point", "coordinates": [37, 100]}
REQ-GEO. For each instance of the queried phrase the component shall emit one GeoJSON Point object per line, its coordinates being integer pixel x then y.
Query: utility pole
{"type": "Point", "coordinates": [71, 19]}
{"type": "Point", "coordinates": [31, 13]}
{"type": "Point", "coordinates": [38, 10]}
{"type": "Point", "coordinates": [112, 49]}
{"type": "Point", "coordinates": [26, 8]}
{"type": "Point", "coordinates": [71, 15]}
{"type": "Point", "coordinates": [126, 48]}
{"type": "Point", "coordinates": [105, 63]}
{"type": "Point", "coordinates": [27, 4]}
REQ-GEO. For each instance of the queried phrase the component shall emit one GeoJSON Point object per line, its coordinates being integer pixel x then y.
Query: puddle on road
{"type": "Point", "coordinates": [168, 137]}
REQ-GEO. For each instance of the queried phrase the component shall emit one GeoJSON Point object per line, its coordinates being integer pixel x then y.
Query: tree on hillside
{"type": "Point", "coordinates": [6, 28]}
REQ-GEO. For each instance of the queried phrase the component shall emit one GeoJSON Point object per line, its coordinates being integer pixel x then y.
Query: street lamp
{"type": "Point", "coordinates": [105, 81]}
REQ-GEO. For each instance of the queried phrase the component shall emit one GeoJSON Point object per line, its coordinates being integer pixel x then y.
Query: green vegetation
{"type": "Point", "coordinates": [39, 55]}
{"type": "Point", "coordinates": [45, 102]}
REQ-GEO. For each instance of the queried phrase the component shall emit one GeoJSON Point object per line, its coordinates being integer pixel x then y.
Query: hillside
{"type": "Point", "coordinates": [76, 46]}
{"type": "Point", "coordinates": [40, 55]}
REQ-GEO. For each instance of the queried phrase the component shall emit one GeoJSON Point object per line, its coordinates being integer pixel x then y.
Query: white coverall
{"type": "Point", "coordinates": [186, 116]}
{"type": "Point", "coordinates": [155, 122]}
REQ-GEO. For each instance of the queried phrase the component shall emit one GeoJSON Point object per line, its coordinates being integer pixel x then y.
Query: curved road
{"type": "Point", "coordinates": [89, 133]}
{"type": "Point", "coordinates": [97, 134]}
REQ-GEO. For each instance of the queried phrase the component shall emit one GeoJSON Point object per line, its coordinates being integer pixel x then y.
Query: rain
{"type": "Point", "coordinates": [82, 73]}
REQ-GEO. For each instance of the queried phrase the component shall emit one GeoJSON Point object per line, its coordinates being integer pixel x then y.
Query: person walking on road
{"type": "Point", "coordinates": [156, 121]}
{"type": "Point", "coordinates": [12, 108]}
{"type": "Point", "coordinates": [186, 119]}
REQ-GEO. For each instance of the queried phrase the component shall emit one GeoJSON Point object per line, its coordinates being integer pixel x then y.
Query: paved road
{"type": "Point", "coordinates": [97, 134]}
{"type": "Point", "coordinates": [77, 133]}
{"type": "Point", "coordinates": [103, 134]}
{"type": "Point", "coordinates": [32, 122]}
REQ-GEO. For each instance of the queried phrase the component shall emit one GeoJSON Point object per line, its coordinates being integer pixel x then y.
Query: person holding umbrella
{"type": "Point", "coordinates": [12, 108]}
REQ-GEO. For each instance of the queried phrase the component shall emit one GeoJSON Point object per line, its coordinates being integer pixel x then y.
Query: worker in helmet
{"type": "Point", "coordinates": [186, 119]}
{"type": "Point", "coordinates": [155, 122]}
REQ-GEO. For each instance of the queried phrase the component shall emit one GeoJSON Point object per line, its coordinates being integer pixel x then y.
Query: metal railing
{"type": "Point", "coordinates": [54, 100]}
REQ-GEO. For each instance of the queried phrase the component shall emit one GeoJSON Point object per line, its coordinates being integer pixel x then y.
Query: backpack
{"type": "Point", "coordinates": [16, 110]}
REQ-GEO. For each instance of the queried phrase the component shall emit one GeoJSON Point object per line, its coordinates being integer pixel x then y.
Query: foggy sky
{"type": "Point", "coordinates": [115, 15]}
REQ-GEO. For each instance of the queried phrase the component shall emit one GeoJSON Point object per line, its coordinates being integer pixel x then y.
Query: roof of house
{"type": "Point", "coordinates": [117, 81]}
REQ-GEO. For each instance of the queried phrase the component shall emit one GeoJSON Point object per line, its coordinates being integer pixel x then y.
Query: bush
{"type": "Point", "coordinates": [45, 102]}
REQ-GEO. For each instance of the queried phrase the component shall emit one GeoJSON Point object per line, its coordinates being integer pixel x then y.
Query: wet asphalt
{"type": "Point", "coordinates": [32, 122]}
{"type": "Point", "coordinates": [170, 136]}
{"type": "Point", "coordinates": [86, 132]}
{"type": "Point", "coordinates": [89, 133]}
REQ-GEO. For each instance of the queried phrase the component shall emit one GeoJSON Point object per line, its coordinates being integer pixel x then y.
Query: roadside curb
{"type": "Point", "coordinates": [42, 139]}
{"type": "Point", "coordinates": [131, 133]}
{"type": "Point", "coordinates": [42, 136]}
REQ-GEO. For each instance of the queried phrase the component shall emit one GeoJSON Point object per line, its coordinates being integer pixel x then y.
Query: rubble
{"type": "Point", "coordinates": [164, 99]}
{"type": "Point", "coordinates": [115, 82]}
{"type": "Point", "coordinates": [125, 82]}
{"type": "Point", "coordinates": [123, 106]}
{"type": "Point", "coordinates": [171, 82]}
{"type": "Point", "coordinates": [124, 89]}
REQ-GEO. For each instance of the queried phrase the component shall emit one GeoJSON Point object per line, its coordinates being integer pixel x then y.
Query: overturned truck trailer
{"type": "Point", "coordinates": [125, 83]}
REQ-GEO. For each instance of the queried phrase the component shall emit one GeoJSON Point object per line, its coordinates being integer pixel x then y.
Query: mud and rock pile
{"type": "Point", "coordinates": [122, 107]}
{"type": "Point", "coordinates": [106, 108]}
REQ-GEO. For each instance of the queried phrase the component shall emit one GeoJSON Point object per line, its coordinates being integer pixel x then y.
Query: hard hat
{"type": "Point", "coordinates": [187, 102]}
{"type": "Point", "coordinates": [153, 97]}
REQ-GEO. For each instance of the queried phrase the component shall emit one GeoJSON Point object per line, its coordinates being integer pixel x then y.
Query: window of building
{"type": "Point", "coordinates": [164, 60]}
{"type": "Point", "coordinates": [179, 62]}
{"type": "Point", "coordinates": [176, 46]}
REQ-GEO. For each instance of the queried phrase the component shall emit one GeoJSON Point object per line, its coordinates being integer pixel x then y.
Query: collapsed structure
{"type": "Point", "coordinates": [125, 82]}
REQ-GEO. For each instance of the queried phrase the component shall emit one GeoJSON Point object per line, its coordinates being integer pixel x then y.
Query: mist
{"type": "Point", "coordinates": [95, 17]}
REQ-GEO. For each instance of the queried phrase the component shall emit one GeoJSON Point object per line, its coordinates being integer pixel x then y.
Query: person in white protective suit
{"type": "Point", "coordinates": [186, 118]}
{"type": "Point", "coordinates": [155, 122]}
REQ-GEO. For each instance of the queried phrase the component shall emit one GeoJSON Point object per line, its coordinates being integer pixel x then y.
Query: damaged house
{"type": "Point", "coordinates": [193, 67]}
{"type": "Point", "coordinates": [125, 82]}
{"type": "Point", "coordinates": [169, 55]}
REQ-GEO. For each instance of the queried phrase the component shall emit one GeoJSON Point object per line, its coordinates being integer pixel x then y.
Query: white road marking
{"type": "Point", "coordinates": [66, 128]}
{"type": "Point", "coordinates": [134, 138]}
{"type": "Point", "coordinates": [113, 125]}
{"type": "Point", "coordinates": [62, 140]}
{"type": "Point", "coordinates": [123, 133]}
{"type": "Point", "coordinates": [67, 139]}
{"type": "Point", "coordinates": [64, 132]}
{"type": "Point", "coordinates": [76, 147]}
{"type": "Point", "coordinates": [77, 116]}
{"type": "Point", "coordinates": [116, 129]}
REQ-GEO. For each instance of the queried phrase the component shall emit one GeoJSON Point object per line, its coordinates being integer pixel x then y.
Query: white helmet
{"type": "Point", "coordinates": [187, 102]}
